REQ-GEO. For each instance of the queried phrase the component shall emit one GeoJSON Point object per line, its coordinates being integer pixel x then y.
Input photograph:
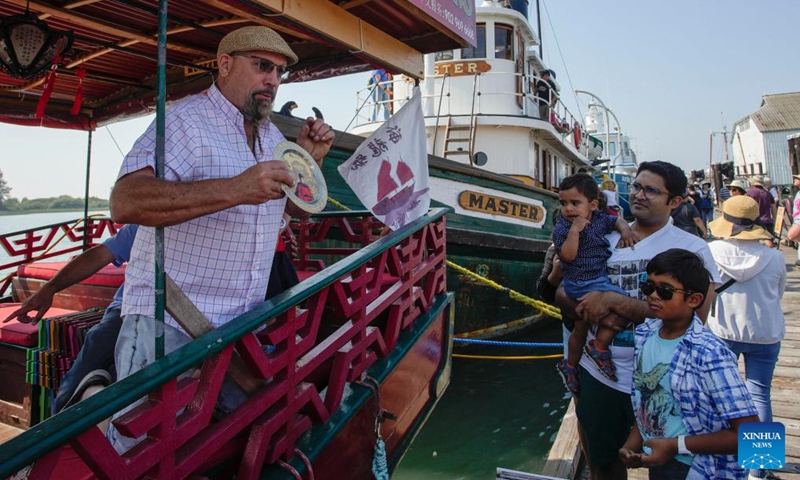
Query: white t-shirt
{"type": "Point", "coordinates": [611, 198]}
{"type": "Point", "coordinates": [626, 268]}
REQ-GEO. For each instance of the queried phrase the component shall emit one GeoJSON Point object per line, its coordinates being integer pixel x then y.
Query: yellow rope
{"type": "Point", "coordinates": [543, 307]}
{"type": "Point", "coordinates": [337, 204]}
{"type": "Point", "coordinates": [489, 357]}
{"type": "Point", "coordinates": [513, 294]}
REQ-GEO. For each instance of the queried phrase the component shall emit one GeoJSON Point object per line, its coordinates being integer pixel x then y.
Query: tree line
{"type": "Point", "coordinates": [63, 202]}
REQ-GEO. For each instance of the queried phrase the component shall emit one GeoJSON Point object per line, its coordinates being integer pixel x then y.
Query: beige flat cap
{"type": "Point", "coordinates": [248, 39]}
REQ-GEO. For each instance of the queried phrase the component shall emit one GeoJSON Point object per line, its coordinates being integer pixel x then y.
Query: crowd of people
{"type": "Point", "coordinates": [683, 296]}
{"type": "Point", "coordinates": [654, 316]}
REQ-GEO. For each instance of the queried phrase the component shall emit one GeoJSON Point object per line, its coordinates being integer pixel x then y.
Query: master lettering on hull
{"type": "Point", "coordinates": [457, 68]}
{"type": "Point", "coordinates": [479, 202]}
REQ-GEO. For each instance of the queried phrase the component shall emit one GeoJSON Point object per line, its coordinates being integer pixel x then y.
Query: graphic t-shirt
{"type": "Point", "coordinates": [626, 268]}
{"type": "Point", "coordinates": [657, 413]}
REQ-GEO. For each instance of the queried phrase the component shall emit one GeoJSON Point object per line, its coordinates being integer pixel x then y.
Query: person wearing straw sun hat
{"type": "Point", "coordinates": [747, 313]}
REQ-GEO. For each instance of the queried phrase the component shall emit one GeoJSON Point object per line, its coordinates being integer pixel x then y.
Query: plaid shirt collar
{"type": "Point", "coordinates": [231, 113]}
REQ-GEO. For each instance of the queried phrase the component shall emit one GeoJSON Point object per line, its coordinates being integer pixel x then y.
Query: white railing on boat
{"type": "Point", "coordinates": [471, 102]}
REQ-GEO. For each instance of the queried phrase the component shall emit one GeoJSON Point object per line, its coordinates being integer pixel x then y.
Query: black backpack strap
{"type": "Point", "coordinates": [725, 286]}
{"type": "Point", "coordinates": [718, 291]}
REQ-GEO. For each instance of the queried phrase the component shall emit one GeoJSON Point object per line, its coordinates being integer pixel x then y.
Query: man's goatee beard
{"type": "Point", "coordinates": [255, 110]}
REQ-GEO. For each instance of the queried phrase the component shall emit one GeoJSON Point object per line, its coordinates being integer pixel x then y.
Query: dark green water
{"type": "Point", "coordinates": [493, 414]}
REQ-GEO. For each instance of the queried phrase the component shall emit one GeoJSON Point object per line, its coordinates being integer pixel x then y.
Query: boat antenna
{"type": "Point", "coordinates": [560, 54]}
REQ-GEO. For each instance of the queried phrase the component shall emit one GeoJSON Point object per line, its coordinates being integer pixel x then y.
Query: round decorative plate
{"type": "Point", "coordinates": [310, 191]}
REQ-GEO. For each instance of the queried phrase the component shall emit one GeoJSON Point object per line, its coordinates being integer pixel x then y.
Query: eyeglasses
{"type": "Point", "coordinates": [665, 292]}
{"type": "Point", "coordinates": [266, 66]}
{"type": "Point", "coordinates": [649, 192]}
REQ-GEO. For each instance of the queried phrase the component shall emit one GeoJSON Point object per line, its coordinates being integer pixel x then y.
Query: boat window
{"type": "Point", "coordinates": [503, 45]}
{"type": "Point", "coordinates": [446, 55]}
{"type": "Point", "coordinates": [612, 148]}
{"type": "Point", "coordinates": [478, 51]}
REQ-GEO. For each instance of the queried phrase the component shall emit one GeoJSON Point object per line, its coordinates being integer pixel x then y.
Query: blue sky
{"type": "Point", "coordinates": [671, 71]}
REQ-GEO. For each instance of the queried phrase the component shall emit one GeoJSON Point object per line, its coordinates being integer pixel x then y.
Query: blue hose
{"type": "Point", "coordinates": [471, 341]}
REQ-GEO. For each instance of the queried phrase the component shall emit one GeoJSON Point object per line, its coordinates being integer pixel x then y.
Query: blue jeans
{"type": "Point", "coordinates": [379, 97]}
{"type": "Point", "coordinates": [759, 365]}
{"type": "Point", "coordinates": [707, 214]}
{"type": "Point", "coordinates": [97, 353]}
{"type": "Point", "coordinates": [575, 289]}
{"type": "Point", "coordinates": [672, 470]}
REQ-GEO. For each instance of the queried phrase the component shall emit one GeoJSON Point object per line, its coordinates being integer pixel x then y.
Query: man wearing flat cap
{"type": "Point", "coordinates": [220, 200]}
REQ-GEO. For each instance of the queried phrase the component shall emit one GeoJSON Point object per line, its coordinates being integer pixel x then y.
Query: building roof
{"type": "Point", "coordinates": [778, 112]}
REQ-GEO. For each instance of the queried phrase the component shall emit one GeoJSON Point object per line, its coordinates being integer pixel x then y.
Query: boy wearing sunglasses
{"type": "Point", "coordinates": [688, 397]}
{"type": "Point", "coordinates": [579, 238]}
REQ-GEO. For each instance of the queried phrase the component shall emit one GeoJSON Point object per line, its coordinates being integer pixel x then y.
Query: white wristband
{"type": "Point", "coordinates": [682, 450]}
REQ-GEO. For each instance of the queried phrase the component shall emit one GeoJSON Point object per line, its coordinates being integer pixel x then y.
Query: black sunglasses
{"type": "Point", "coordinates": [665, 292]}
{"type": "Point", "coordinates": [266, 66]}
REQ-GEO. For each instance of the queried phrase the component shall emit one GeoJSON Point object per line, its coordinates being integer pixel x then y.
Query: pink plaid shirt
{"type": "Point", "coordinates": [220, 261]}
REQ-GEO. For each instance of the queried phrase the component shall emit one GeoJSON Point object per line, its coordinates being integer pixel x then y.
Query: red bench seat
{"type": "Point", "coordinates": [95, 291]}
{"type": "Point", "coordinates": [108, 276]}
{"type": "Point", "coordinates": [23, 334]}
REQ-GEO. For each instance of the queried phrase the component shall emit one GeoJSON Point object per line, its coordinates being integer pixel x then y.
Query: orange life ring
{"type": "Point", "coordinates": [576, 133]}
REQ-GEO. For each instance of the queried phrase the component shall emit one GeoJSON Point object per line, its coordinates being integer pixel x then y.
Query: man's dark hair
{"type": "Point", "coordinates": [684, 266]}
{"type": "Point", "coordinates": [674, 177]}
{"type": "Point", "coordinates": [583, 183]}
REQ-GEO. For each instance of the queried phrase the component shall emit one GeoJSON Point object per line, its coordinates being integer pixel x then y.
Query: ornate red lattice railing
{"type": "Point", "coordinates": [365, 300]}
{"type": "Point", "coordinates": [50, 241]}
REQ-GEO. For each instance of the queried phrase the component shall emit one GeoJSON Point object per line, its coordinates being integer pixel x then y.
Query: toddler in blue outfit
{"type": "Point", "coordinates": [579, 238]}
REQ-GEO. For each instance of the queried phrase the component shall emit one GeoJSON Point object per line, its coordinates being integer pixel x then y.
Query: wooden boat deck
{"type": "Point", "coordinates": [7, 432]}
{"type": "Point", "coordinates": [561, 462]}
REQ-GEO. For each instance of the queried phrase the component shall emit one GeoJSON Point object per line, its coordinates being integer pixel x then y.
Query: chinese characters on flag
{"type": "Point", "coordinates": [389, 171]}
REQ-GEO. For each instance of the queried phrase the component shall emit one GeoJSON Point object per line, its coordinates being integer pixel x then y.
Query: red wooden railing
{"type": "Point", "coordinates": [367, 300]}
{"type": "Point", "coordinates": [50, 241]}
